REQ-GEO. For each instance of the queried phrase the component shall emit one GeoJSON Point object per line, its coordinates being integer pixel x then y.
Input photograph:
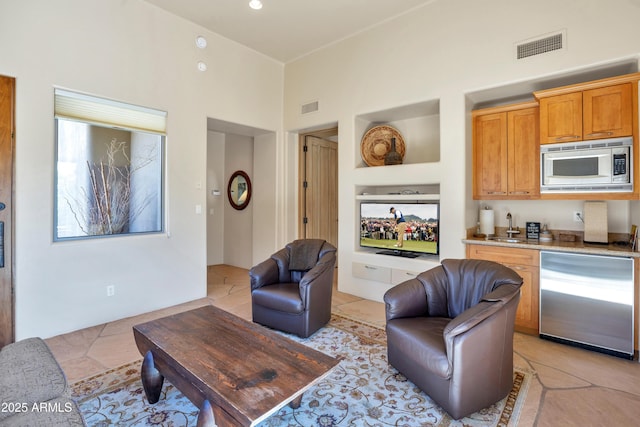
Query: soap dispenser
{"type": "Point", "coordinates": [545, 235]}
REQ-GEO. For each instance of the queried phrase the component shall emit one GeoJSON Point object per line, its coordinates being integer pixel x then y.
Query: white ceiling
{"type": "Point", "coordinates": [288, 29]}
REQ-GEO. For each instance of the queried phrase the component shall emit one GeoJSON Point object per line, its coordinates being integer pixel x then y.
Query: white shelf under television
{"type": "Point", "coordinates": [398, 197]}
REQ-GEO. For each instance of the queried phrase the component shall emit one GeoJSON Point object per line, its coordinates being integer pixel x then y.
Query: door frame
{"type": "Point", "coordinates": [7, 280]}
{"type": "Point", "coordinates": [323, 134]}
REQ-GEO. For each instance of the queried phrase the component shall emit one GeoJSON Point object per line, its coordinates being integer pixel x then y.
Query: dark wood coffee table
{"type": "Point", "coordinates": [235, 371]}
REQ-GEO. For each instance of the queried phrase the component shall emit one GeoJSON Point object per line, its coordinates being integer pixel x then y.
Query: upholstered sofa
{"type": "Point", "coordinates": [33, 388]}
{"type": "Point", "coordinates": [450, 331]}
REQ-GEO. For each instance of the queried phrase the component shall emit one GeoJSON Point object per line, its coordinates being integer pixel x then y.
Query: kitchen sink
{"type": "Point", "coordinates": [507, 239]}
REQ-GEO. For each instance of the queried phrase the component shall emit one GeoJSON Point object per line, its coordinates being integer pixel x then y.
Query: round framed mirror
{"type": "Point", "coordinates": [239, 190]}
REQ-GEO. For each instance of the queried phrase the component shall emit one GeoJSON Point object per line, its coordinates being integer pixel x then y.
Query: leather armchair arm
{"type": "Point", "coordinates": [408, 299]}
{"type": "Point", "coordinates": [503, 293]}
{"type": "Point", "coordinates": [470, 318]}
{"type": "Point", "coordinates": [265, 273]}
{"type": "Point", "coordinates": [326, 263]}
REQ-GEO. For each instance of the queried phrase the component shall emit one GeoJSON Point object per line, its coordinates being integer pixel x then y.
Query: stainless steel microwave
{"type": "Point", "coordinates": [604, 165]}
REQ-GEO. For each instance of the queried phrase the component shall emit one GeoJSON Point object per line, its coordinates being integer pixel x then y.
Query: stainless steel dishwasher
{"type": "Point", "coordinates": [587, 300]}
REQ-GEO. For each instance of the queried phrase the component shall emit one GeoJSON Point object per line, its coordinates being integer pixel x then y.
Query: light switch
{"type": "Point", "coordinates": [198, 209]}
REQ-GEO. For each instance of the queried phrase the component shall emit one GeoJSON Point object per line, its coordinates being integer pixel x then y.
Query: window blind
{"type": "Point", "coordinates": [106, 112]}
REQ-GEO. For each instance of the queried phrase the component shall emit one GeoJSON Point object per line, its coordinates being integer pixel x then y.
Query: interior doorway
{"type": "Point", "coordinates": [318, 185]}
{"type": "Point", "coordinates": [7, 147]}
{"type": "Point", "coordinates": [240, 237]}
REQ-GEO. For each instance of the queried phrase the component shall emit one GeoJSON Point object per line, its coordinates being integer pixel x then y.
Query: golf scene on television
{"type": "Point", "coordinates": [378, 227]}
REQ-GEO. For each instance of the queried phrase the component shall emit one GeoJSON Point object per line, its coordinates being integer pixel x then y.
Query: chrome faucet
{"type": "Point", "coordinates": [510, 230]}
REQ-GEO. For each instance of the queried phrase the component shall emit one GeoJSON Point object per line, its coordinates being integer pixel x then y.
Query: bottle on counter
{"type": "Point", "coordinates": [545, 235]}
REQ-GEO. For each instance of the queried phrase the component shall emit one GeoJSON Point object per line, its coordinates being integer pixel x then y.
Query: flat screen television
{"type": "Point", "coordinates": [378, 227]}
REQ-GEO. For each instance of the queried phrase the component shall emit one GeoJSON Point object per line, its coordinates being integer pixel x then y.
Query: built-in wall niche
{"type": "Point", "coordinates": [419, 125]}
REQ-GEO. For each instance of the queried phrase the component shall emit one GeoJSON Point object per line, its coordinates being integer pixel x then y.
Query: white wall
{"type": "Point", "coordinates": [557, 214]}
{"type": "Point", "coordinates": [132, 52]}
{"type": "Point", "coordinates": [215, 203]}
{"type": "Point", "coordinates": [446, 51]}
{"type": "Point", "coordinates": [266, 228]}
{"type": "Point", "coordinates": [238, 224]}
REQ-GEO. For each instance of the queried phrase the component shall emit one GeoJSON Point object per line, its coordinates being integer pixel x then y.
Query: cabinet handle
{"type": "Point", "coordinates": [368, 267]}
{"type": "Point", "coordinates": [607, 133]}
{"type": "Point", "coordinates": [562, 138]}
{"type": "Point", "coordinates": [496, 192]}
{"type": "Point", "coordinates": [519, 192]}
{"type": "Point", "coordinates": [515, 267]}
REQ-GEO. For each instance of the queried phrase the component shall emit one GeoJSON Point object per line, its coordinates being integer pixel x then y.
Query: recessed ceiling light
{"type": "Point", "coordinates": [255, 4]}
{"type": "Point", "coordinates": [201, 42]}
{"type": "Point", "coordinates": [202, 66]}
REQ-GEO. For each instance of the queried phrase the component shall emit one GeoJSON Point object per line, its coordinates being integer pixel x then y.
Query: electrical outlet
{"type": "Point", "coordinates": [111, 290]}
{"type": "Point", "coordinates": [577, 216]}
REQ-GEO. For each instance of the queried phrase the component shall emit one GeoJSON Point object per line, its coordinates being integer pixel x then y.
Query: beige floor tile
{"type": "Point", "coordinates": [590, 366]}
{"type": "Point", "coordinates": [114, 350]}
{"type": "Point", "coordinates": [365, 310]}
{"type": "Point", "coordinates": [339, 298]}
{"type": "Point", "coordinates": [231, 301]}
{"type": "Point", "coordinates": [215, 291]}
{"type": "Point", "coordinates": [242, 310]}
{"type": "Point", "coordinates": [84, 367]}
{"type": "Point", "coordinates": [555, 378]}
{"type": "Point", "coordinates": [74, 345]}
{"type": "Point", "coordinates": [531, 404]}
{"type": "Point", "coordinates": [589, 407]}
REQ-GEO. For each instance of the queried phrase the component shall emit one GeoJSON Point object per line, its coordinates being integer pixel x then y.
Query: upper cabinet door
{"type": "Point", "coordinates": [561, 118]}
{"type": "Point", "coordinates": [524, 153]}
{"type": "Point", "coordinates": [490, 155]}
{"type": "Point", "coordinates": [608, 112]}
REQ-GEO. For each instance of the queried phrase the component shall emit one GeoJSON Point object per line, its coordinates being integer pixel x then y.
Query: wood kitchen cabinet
{"type": "Point", "coordinates": [604, 112]}
{"type": "Point", "coordinates": [506, 159]}
{"type": "Point", "coordinates": [526, 263]}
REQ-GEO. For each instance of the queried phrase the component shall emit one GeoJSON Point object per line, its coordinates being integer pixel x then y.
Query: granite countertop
{"type": "Point", "coordinates": [615, 248]}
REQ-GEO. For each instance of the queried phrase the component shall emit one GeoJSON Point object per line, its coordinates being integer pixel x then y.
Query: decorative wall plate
{"type": "Point", "coordinates": [376, 143]}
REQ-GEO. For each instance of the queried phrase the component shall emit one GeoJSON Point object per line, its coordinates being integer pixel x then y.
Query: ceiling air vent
{"type": "Point", "coordinates": [310, 107]}
{"type": "Point", "coordinates": [540, 45]}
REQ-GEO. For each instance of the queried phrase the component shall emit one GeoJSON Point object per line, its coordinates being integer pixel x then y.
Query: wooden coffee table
{"type": "Point", "coordinates": [235, 371]}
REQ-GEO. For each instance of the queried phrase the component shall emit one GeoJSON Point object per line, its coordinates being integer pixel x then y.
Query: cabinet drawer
{"type": "Point", "coordinates": [371, 272]}
{"type": "Point", "coordinates": [504, 255]}
{"type": "Point", "coordinates": [399, 276]}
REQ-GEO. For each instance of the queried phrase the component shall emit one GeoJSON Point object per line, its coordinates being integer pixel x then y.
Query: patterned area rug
{"type": "Point", "coordinates": [363, 390]}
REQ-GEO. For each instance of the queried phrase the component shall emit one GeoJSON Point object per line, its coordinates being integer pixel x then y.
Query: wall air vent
{"type": "Point", "coordinates": [540, 45]}
{"type": "Point", "coordinates": [309, 107]}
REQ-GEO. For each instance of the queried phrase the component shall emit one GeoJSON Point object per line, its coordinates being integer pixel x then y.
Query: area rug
{"type": "Point", "coordinates": [363, 390]}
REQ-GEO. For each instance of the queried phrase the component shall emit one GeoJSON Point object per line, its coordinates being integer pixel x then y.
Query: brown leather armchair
{"type": "Point", "coordinates": [291, 291]}
{"type": "Point", "coordinates": [450, 332]}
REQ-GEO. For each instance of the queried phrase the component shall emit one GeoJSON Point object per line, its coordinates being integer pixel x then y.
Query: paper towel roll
{"type": "Point", "coordinates": [487, 225]}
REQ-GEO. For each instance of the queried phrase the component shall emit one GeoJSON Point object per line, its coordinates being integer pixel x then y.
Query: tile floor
{"type": "Point", "coordinates": [571, 386]}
